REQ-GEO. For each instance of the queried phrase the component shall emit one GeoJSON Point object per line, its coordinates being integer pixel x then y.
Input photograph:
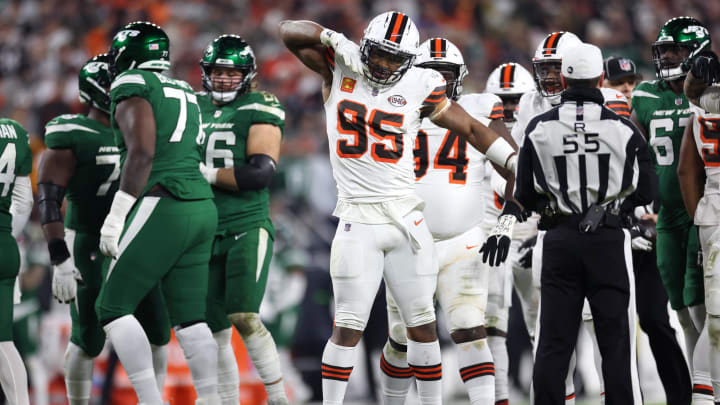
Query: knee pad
{"type": "Point", "coordinates": [465, 316]}
{"type": "Point", "coordinates": [397, 331]}
{"type": "Point", "coordinates": [247, 323]}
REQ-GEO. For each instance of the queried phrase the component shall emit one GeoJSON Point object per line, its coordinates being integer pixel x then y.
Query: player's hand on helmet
{"type": "Point", "coordinates": [344, 48]}
{"type": "Point", "coordinates": [496, 248]}
{"type": "Point", "coordinates": [114, 222]}
{"type": "Point", "coordinates": [526, 251]}
{"type": "Point", "coordinates": [209, 173]}
{"type": "Point", "coordinates": [64, 282]}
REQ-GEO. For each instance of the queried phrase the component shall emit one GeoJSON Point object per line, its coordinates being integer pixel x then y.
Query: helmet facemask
{"type": "Point", "coordinates": [453, 74]}
{"type": "Point", "coordinates": [547, 77]}
{"type": "Point", "coordinates": [226, 82]}
{"type": "Point", "coordinates": [384, 65]}
{"type": "Point", "coordinates": [670, 58]}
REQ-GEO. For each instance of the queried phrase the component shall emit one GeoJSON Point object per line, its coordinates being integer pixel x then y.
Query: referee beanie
{"type": "Point", "coordinates": [582, 61]}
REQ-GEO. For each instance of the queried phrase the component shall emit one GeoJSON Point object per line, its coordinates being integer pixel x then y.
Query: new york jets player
{"type": "Point", "coordinates": [243, 130]}
{"type": "Point", "coordinates": [168, 233]}
{"type": "Point", "coordinates": [15, 206]}
{"type": "Point", "coordinates": [83, 163]}
{"type": "Point", "coordinates": [661, 111]}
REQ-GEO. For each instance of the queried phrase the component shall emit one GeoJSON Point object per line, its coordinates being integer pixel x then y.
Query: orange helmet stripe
{"type": "Point", "coordinates": [551, 43]}
{"type": "Point", "coordinates": [396, 27]}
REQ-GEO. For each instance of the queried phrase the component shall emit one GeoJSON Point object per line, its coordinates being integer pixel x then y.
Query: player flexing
{"type": "Point", "coordinates": [508, 81]}
{"type": "Point", "coordinates": [15, 205]}
{"type": "Point", "coordinates": [83, 161]}
{"type": "Point", "coordinates": [698, 151]}
{"type": "Point", "coordinates": [243, 130]}
{"type": "Point", "coordinates": [374, 102]}
{"type": "Point", "coordinates": [661, 111]}
{"type": "Point", "coordinates": [449, 175]}
{"type": "Point", "coordinates": [546, 73]}
{"type": "Point", "coordinates": [168, 234]}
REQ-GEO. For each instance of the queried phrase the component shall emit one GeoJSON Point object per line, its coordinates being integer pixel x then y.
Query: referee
{"type": "Point", "coordinates": [581, 165]}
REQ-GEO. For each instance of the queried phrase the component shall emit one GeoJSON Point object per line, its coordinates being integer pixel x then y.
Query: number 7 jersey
{"type": "Point", "coordinates": [371, 133]}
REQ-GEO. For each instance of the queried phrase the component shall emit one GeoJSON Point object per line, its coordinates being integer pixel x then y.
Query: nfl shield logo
{"type": "Point", "coordinates": [625, 64]}
{"type": "Point", "coordinates": [678, 101]}
{"type": "Point", "coordinates": [217, 114]}
{"type": "Point", "coordinates": [347, 227]}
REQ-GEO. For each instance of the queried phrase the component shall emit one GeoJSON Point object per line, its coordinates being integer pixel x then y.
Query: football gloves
{"type": "Point", "coordinates": [64, 282]}
{"type": "Point", "coordinates": [114, 222]}
{"type": "Point", "coordinates": [497, 246]}
{"type": "Point", "coordinates": [344, 48]}
{"type": "Point", "coordinates": [209, 173]}
{"type": "Point", "coordinates": [706, 67]}
{"type": "Point", "coordinates": [641, 239]}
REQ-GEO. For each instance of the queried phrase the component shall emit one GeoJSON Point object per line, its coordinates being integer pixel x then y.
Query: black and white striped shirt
{"type": "Point", "coordinates": [580, 153]}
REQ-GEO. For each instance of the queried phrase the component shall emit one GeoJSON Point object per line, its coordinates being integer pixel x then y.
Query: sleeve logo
{"type": "Point", "coordinates": [347, 85]}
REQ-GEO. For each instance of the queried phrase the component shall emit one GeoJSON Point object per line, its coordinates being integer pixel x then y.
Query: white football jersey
{"type": "Point", "coordinates": [450, 172]}
{"type": "Point", "coordinates": [533, 103]}
{"type": "Point", "coordinates": [706, 131]}
{"type": "Point", "coordinates": [371, 132]}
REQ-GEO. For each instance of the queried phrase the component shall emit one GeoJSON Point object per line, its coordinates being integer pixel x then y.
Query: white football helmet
{"type": "Point", "coordinates": [547, 61]}
{"type": "Point", "coordinates": [509, 79]}
{"type": "Point", "coordinates": [442, 55]}
{"type": "Point", "coordinates": [388, 48]}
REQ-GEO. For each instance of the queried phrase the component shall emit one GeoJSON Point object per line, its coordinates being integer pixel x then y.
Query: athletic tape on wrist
{"type": "Point", "coordinates": [500, 152]}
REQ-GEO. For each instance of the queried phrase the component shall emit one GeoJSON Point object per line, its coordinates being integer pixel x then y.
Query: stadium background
{"type": "Point", "coordinates": [43, 43]}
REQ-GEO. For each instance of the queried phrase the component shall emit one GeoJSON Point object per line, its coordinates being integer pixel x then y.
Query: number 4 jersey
{"type": "Point", "coordinates": [178, 133]}
{"type": "Point", "coordinates": [15, 160]}
{"type": "Point", "coordinates": [371, 132]}
{"type": "Point", "coordinates": [450, 172]}
{"type": "Point", "coordinates": [664, 114]}
{"type": "Point", "coordinates": [227, 129]}
{"type": "Point", "coordinates": [97, 169]}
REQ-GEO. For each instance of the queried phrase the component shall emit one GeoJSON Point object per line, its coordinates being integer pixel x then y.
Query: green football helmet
{"type": "Point", "coordinates": [681, 34]}
{"type": "Point", "coordinates": [139, 45]}
{"type": "Point", "coordinates": [94, 82]}
{"type": "Point", "coordinates": [228, 51]}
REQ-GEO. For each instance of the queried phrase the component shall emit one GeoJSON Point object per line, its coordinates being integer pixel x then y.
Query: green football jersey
{"type": "Point", "coordinates": [15, 160]}
{"type": "Point", "coordinates": [97, 169]}
{"type": "Point", "coordinates": [664, 114]}
{"type": "Point", "coordinates": [177, 157]}
{"type": "Point", "coordinates": [227, 128]}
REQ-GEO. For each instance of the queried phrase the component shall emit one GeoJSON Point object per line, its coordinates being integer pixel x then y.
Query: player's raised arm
{"type": "Point", "coordinates": [691, 173]}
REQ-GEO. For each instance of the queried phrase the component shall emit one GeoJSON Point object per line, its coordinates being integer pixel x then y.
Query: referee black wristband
{"type": "Point", "coordinates": [58, 251]}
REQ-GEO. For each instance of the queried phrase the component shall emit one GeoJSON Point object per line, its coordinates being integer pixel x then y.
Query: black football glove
{"type": "Point", "coordinates": [497, 246]}
{"type": "Point", "coordinates": [706, 67]}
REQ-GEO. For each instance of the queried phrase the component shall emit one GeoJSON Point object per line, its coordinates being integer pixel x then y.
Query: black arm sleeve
{"type": "Point", "coordinates": [256, 174]}
{"type": "Point", "coordinates": [647, 185]}
{"type": "Point", "coordinates": [50, 198]}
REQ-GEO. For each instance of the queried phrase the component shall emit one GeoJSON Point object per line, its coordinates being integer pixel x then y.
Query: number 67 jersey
{"type": "Point", "coordinates": [371, 132]}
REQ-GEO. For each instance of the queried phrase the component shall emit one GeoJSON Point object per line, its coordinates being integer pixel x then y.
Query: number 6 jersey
{"type": "Point", "coordinates": [372, 132]}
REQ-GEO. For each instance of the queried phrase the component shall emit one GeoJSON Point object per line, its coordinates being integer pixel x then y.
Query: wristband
{"type": "Point", "coordinates": [501, 153]}
{"type": "Point", "coordinates": [58, 251]}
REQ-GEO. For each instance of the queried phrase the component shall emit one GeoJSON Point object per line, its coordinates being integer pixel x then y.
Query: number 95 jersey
{"type": "Point", "coordinates": [706, 132]}
{"type": "Point", "coordinates": [371, 132]}
{"type": "Point", "coordinates": [450, 173]}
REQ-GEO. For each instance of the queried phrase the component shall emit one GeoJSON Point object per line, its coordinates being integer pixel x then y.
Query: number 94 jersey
{"type": "Point", "coordinates": [450, 172]}
{"type": "Point", "coordinates": [371, 132]}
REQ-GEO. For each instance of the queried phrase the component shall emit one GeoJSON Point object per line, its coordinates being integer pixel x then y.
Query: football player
{"type": "Point", "coordinates": [546, 73]}
{"type": "Point", "coordinates": [662, 112]}
{"type": "Point", "coordinates": [83, 163]}
{"type": "Point", "coordinates": [508, 81]}
{"type": "Point", "coordinates": [243, 129]}
{"type": "Point", "coordinates": [374, 102]}
{"type": "Point", "coordinates": [16, 202]}
{"type": "Point", "coordinates": [701, 194]}
{"type": "Point", "coordinates": [162, 219]}
{"type": "Point", "coordinates": [701, 84]}
{"type": "Point", "coordinates": [449, 175]}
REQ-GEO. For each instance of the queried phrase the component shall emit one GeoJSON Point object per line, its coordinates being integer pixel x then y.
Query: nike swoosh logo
{"type": "Point", "coordinates": [418, 222]}
{"type": "Point", "coordinates": [618, 96]}
{"type": "Point", "coordinates": [240, 235]}
{"type": "Point", "coordinates": [470, 247]}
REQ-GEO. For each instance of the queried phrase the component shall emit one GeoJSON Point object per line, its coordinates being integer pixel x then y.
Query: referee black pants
{"type": "Point", "coordinates": [598, 266]}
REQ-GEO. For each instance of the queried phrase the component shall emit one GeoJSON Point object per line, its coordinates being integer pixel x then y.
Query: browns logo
{"type": "Point", "coordinates": [397, 100]}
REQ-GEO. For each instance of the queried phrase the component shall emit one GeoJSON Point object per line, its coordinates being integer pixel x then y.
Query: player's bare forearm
{"type": "Point", "coordinates": [691, 174]}
{"type": "Point", "coordinates": [498, 126]}
{"type": "Point", "coordinates": [56, 167]}
{"type": "Point", "coordinates": [457, 120]}
{"type": "Point", "coordinates": [693, 88]}
{"type": "Point", "coordinates": [136, 121]}
{"type": "Point", "coordinates": [302, 38]}
{"type": "Point", "coordinates": [226, 179]}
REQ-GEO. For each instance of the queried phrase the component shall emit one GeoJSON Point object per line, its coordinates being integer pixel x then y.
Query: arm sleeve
{"type": "Point", "coordinates": [497, 111]}
{"type": "Point", "coordinates": [647, 185]}
{"type": "Point", "coordinates": [21, 205]}
{"type": "Point", "coordinates": [619, 107]}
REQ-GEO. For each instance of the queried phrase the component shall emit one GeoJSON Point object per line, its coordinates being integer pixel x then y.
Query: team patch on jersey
{"type": "Point", "coordinates": [397, 100]}
{"type": "Point", "coordinates": [347, 85]}
{"type": "Point", "coordinates": [678, 101]}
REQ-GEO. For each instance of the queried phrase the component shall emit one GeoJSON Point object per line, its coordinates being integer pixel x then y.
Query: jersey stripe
{"type": "Point", "coordinates": [264, 108]}
{"type": "Point", "coordinates": [129, 79]}
{"type": "Point", "coordinates": [144, 211]}
{"type": "Point", "coordinates": [642, 93]}
{"type": "Point", "coordinates": [51, 129]}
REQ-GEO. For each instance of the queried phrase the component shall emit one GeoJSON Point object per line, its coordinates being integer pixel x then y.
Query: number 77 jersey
{"type": "Point", "coordinates": [178, 131]}
{"type": "Point", "coordinates": [371, 132]}
{"type": "Point", "coordinates": [450, 173]}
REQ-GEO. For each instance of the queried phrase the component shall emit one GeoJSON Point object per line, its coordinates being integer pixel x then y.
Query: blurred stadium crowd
{"type": "Point", "coordinates": [44, 42]}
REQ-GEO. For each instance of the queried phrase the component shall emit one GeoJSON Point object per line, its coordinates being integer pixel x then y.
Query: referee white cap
{"type": "Point", "coordinates": [582, 61]}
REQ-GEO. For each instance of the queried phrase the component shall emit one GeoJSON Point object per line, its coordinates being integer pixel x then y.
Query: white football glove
{"type": "Point", "coordinates": [641, 243]}
{"type": "Point", "coordinates": [114, 222]}
{"type": "Point", "coordinates": [64, 282]}
{"type": "Point", "coordinates": [344, 48]}
{"type": "Point", "coordinates": [209, 173]}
